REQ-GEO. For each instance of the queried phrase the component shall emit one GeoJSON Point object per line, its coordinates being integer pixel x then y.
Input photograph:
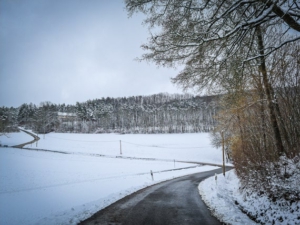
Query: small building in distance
{"type": "Point", "coordinates": [66, 117]}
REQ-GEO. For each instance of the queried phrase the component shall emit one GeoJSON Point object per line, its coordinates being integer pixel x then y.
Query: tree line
{"type": "Point", "coordinates": [160, 113]}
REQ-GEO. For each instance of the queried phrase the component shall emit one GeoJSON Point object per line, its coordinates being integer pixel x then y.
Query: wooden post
{"type": "Point", "coordinates": [151, 175]}
{"type": "Point", "coordinates": [216, 178]}
{"type": "Point", "coordinates": [120, 147]}
{"type": "Point", "coordinates": [223, 152]}
{"type": "Point", "coordinates": [174, 163]}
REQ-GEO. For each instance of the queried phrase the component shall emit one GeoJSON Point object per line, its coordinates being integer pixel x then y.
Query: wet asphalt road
{"type": "Point", "coordinates": [172, 202]}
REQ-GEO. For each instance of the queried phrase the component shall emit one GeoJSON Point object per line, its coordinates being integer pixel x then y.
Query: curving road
{"type": "Point", "coordinates": [172, 202]}
{"type": "Point", "coordinates": [35, 139]}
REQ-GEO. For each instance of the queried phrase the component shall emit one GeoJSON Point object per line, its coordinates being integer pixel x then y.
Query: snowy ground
{"type": "Point", "coordinates": [226, 201]}
{"type": "Point", "coordinates": [190, 147]}
{"type": "Point", "coordinates": [15, 138]}
{"type": "Point", "coordinates": [220, 196]}
{"type": "Point", "coordinates": [39, 187]}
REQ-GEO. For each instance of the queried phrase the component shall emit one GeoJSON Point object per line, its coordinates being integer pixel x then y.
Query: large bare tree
{"type": "Point", "coordinates": [207, 35]}
{"type": "Point", "coordinates": [189, 28]}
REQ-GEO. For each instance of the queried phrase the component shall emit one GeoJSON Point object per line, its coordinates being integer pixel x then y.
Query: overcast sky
{"type": "Point", "coordinates": [74, 50]}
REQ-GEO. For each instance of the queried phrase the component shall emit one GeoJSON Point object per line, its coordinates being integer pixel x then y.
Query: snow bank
{"type": "Point", "coordinates": [221, 196]}
{"type": "Point", "coordinates": [227, 203]}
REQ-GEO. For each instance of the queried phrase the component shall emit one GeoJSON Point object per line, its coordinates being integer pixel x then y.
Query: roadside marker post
{"type": "Point", "coordinates": [37, 141]}
{"type": "Point", "coordinates": [120, 147]}
{"type": "Point", "coordinates": [151, 175]}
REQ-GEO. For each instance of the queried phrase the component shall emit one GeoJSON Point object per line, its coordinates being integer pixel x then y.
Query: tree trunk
{"type": "Point", "coordinates": [269, 93]}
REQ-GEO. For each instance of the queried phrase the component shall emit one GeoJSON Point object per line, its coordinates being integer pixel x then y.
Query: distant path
{"type": "Point", "coordinates": [172, 202]}
{"type": "Point", "coordinates": [35, 138]}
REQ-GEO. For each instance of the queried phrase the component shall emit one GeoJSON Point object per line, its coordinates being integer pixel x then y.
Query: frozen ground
{"type": "Point", "coordinates": [226, 201]}
{"type": "Point", "coordinates": [50, 188]}
{"type": "Point", "coordinates": [191, 147]}
{"type": "Point", "coordinates": [11, 139]}
{"type": "Point", "coordinates": [220, 196]}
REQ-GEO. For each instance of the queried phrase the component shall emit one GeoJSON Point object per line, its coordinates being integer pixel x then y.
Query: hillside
{"type": "Point", "coordinates": [160, 113]}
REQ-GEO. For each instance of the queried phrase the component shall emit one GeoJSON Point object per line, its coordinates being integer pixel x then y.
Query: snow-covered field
{"type": "Point", "coordinates": [44, 187]}
{"type": "Point", "coordinates": [190, 147]}
{"type": "Point", "coordinates": [38, 187]}
{"type": "Point", "coordinates": [11, 139]}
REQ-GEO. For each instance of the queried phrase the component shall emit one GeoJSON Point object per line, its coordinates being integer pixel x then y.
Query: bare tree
{"type": "Point", "coordinates": [213, 29]}
{"type": "Point", "coordinates": [206, 36]}
{"type": "Point", "coordinates": [45, 118]}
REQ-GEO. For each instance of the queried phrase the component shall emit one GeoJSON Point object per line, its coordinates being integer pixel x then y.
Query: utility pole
{"type": "Point", "coordinates": [120, 147]}
{"type": "Point", "coordinates": [223, 152]}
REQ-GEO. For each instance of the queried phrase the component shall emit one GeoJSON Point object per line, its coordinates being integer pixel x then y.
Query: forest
{"type": "Point", "coordinates": [159, 113]}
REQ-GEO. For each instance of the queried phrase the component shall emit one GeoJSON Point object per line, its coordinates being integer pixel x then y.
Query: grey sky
{"type": "Point", "coordinates": [73, 50]}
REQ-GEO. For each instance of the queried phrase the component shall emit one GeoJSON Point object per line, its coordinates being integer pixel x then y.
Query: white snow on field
{"type": "Point", "coordinates": [11, 139]}
{"type": "Point", "coordinates": [191, 147]}
{"type": "Point", "coordinates": [39, 187]}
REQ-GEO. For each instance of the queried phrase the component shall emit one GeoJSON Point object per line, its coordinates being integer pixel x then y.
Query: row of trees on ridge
{"type": "Point", "coordinates": [160, 113]}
